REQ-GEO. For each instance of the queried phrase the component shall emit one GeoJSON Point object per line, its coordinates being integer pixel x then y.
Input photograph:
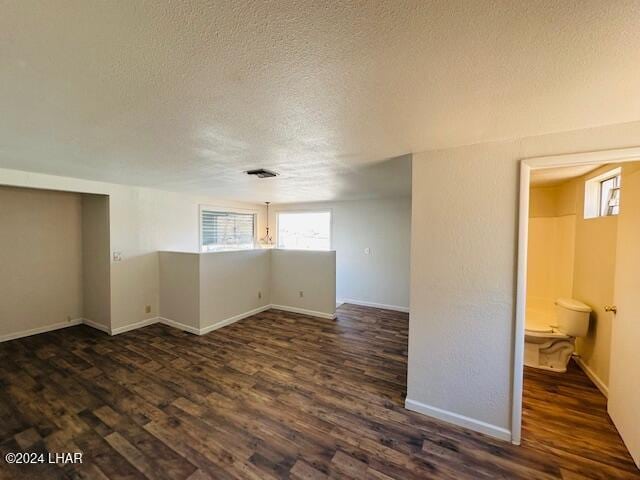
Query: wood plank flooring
{"type": "Point", "coordinates": [277, 395]}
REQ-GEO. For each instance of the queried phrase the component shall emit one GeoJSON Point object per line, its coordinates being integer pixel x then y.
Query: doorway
{"type": "Point", "coordinates": [624, 365]}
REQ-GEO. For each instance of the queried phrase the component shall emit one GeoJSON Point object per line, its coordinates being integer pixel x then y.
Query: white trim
{"type": "Point", "coordinates": [592, 376]}
{"type": "Point", "coordinates": [134, 326]}
{"type": "Point", "coordinates": [178, 325]}
{"type": "Point", "coordinates": [459, 420]}
{"type": "Point", "coordinates": [96, 325]}
{"type": "Point", "coordinates": [521, 305]}
{"type": "Point", "coordinates": [233, 319]}
{"type": "Point", "coordinates": [45, 329]}
{"type": "Point", "coordinates": [312, 313]}
{"type": "Point", "coordinates": [526, 165]}
{"type": "Point", "coordinates": [165, 321]}
{"type": "Point", "coordinates": [383, 306]}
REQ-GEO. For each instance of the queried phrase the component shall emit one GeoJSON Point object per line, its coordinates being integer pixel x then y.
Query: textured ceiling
{"type": "Point", "coordinates": [187, 95]}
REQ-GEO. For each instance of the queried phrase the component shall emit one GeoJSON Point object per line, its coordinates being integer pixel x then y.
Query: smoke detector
{"type": "Point", "coordinates": [261, 173]}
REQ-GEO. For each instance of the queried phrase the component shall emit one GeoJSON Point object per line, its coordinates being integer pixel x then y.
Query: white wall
{"type": "Point", "coordinates": [203, 291]}
{"type": "Point", "coordinates": [180, 288]}
{"type": "Point", "coordinates": [384, 226]}
{"type": "Point", "coordinates": [40, 259]}
{"type": "Point", "coordinates": [463, 272]}
{"type": "Point", "coordinates": [311, 272]}
{"type": "Point", "coordinates": [143, 221]}
{"type": "Point", "coordinates": [230, 283]}
{"type": "Point", "coordinates": [96, 276]}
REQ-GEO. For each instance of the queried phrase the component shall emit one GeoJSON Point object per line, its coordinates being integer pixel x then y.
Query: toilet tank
{"type": "Point", "coordinates": [572, 317]}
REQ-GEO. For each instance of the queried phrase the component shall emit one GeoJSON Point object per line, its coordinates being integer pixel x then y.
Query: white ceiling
{"type": "Point", "coordinates": [187, 95]}
{"type": "Point", "coordinates": [553, 176]}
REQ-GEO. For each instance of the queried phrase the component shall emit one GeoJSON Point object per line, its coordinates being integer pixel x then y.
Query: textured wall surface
{"type": "Point", "coordinates": [96, 262]}
{"type": "Point", "coordinates": [230, 283]}
{"type": "Point", "coordinates": [40, 258]}
{"type": "Point", "coordinates": [463, 266]}
{"type": "Point", "coordinates": [310, 272]}
{"type": "Point", "coordinates": [143, 221]}
{"type": "Point", "coordinates": [383, 225]}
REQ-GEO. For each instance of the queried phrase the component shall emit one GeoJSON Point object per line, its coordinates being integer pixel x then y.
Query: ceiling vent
{"type": "Point", "coordinates": [261, 173]}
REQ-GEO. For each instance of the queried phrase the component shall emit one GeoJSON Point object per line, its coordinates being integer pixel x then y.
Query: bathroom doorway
{"type": "Point", "coordinates": [579, 217]}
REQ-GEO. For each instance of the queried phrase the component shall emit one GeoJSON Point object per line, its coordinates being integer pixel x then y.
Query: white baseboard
{"type": "Point", "coordinates": [96, 325]}
{"type": "Point", "coordinates": [396, 308]}
{"type": "Point", "coordinates": [233, 319]}
{"type": "Point", "coordinates": [134, 326]}
{"type": "Point", "coordinates": [592, 376]}
{"type": "Point", "coordinates": [35, 331]}
{"type": "Point", "coordinates": [312, 313]}
{"type": "Point", "coordinates": [163, 320]}
{"type": "Point", "coordinates": [459, 420]}
{"type": "Point", "coordinates": [180, 326]}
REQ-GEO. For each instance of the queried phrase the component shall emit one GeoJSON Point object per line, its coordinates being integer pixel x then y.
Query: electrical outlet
{"type": "Point", "coordinates": [147, 309]}
{"type": "Point", "coordinates": [367, 251]}
{"type": "Point", "coordinates": [117, 256]}
{"type": "Point", "coordinates": [259, 294]}
{"type": "Point", "coordinates": [301, 294]}
{"type": "Point", "coordinates": [68, 318]}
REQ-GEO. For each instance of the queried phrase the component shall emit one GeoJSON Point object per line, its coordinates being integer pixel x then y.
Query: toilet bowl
{"type": "Point", "coordinates": [549, 339]}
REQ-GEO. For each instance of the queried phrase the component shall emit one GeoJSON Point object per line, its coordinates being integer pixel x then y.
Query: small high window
{"type": "Point", "coordinates": [304, 230]}
{"type": "Point", "coordinates": [602, 194]}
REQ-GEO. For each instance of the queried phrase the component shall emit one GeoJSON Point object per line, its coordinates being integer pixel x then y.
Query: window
{"type": "Point", "coordinates": [304, 230]}
{"type": "Point", "coordinates": [610, 196]}
{"type": "Point", "coordinates": [223, 230]}
{"type": "Point", "coordinates": [602, 194]}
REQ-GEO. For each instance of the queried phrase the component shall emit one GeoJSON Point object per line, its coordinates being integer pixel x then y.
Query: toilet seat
{"type": "Point", "coordinates": [541, 328]}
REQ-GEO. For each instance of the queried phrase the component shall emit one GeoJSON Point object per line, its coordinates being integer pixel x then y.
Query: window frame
{"type": "Point", "coordinates": [601, 201]}
{"type": "Point", "coordinates": [223, 209]}
{"type": "Point", "coordinates": [593, 194]}
{"type": "Point", "coordinates": [301, 211]}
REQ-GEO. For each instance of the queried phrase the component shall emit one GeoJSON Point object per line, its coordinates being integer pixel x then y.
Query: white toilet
{"type": "Point", "coordinates": [549, 340]}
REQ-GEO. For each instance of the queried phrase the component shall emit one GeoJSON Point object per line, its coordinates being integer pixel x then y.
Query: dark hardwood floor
{"type": "Point", "coordinates": [277, 395]}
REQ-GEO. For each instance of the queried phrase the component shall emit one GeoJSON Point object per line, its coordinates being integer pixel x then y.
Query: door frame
{"type": "Point", "coordinates": [527, 165]}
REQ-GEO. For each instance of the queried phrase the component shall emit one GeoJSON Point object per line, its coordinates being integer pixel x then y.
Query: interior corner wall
{"type": "Point", "coordinates": [40, 258]}
{"type": "Point", "coordinates": [143, 221]}
{"type": "Point", "coordinates": [96, 265]}
{"type": "Point", "coordinates": [463, 270]}
{"type": "Point", "coordinates": [383, 225]}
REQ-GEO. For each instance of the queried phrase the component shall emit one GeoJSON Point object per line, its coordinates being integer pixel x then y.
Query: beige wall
{"type": "Point", "coordinates": [463, 271]}
{"type": "Point", "coordinates": [143, 221]}
{"type": "Point", "coordinates": [313, 273]}
{"type": "Point", "coordinates": [203, 290]}
{"type": "Point", "coordinates": [593, 280]}
{"type": "Point", "coordinates": [552, 221]}
{"type": "Point", "coordinates": [384, 226]}
{"type": "Point", "coordinates": [230, 283]}
{"type": "Point", "coordinates": [40, 259]}
{"type": "Point", "coordinates": [180, 287]}
{"type": "Point", "coordinates": [96, 266]}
